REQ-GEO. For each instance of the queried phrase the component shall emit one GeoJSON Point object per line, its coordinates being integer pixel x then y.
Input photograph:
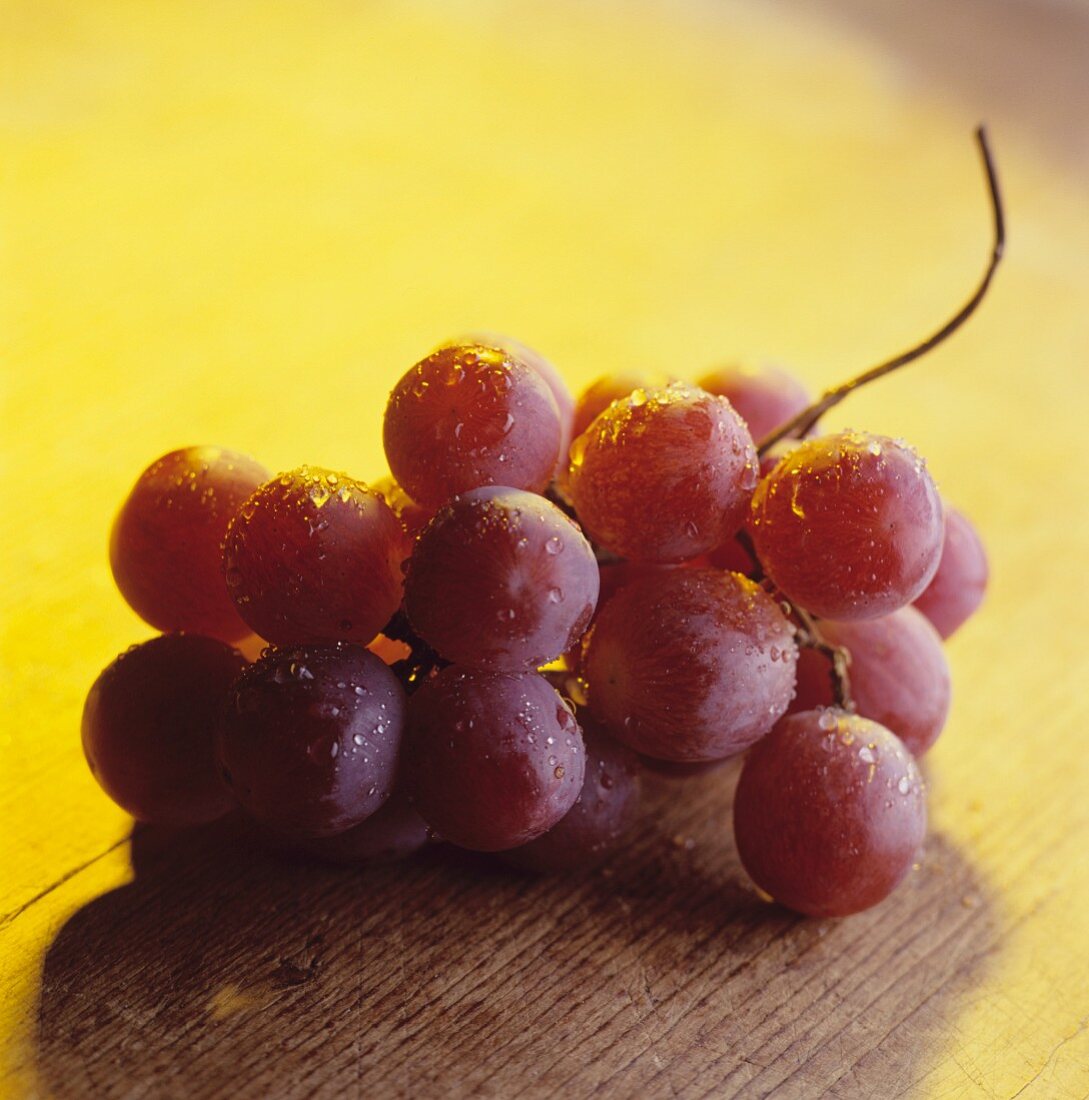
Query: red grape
{"type": "Point", "coordinates": [470, 415]}
{"type": "Point", "coordinates": [492, 760]}
{"type": "Point", "coordinates": [692, 665]}
{"type": "Point", "coordinates": [315, 556]}
{"type": "Point", "coordinates": [311, 737]}
{"type": "Point", "coordinates": [165, 544]}
{"type": "Point", "coordinates": [956, 589]}
{"type": "Point", "coordinates": [829, 813]}
{"type": "Point", "coordinates": [604, 811]}
{"type": "Point", "coordinates": [849, 526]}
{"type": "Point", "coordinates": [899, 675]}
{"type": "Point", "coordinates": [663, 476]}
{"type": "Point", "coordinates": [766, 397]}
{"type": "Point", "coordinates": [149, 725]}
{"type": "Point", "coordinates": [501, 579]}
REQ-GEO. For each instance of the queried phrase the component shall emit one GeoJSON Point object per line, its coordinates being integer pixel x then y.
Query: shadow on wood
{"type": "Point", "coordinates": [220, 970]}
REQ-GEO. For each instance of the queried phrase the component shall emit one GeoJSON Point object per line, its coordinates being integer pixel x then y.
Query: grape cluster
{"type": "Point", "coordinates": [542, 601]}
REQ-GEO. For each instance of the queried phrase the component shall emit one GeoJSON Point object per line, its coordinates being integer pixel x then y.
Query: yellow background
{"type": "Point", "coordinates": [240, 222]}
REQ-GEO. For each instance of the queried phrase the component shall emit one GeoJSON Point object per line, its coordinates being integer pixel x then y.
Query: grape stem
{"type": "Point", "coordinates": [421, 663]}
{"type": "Point", "coordinates": [809, 635]}
{"type": "Point", "coordinates": [798, 426]}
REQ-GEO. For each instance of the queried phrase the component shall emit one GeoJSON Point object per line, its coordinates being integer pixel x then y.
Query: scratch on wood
{"type": "Point", "coordinates": [17, 912]}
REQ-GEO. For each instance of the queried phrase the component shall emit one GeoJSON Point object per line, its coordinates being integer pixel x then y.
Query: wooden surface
{"type": "Point", "coordinates": [239, 223]}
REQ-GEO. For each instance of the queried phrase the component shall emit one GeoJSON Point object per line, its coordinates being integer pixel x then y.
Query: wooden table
{"type": "Point", "coordinates": [240, 223]}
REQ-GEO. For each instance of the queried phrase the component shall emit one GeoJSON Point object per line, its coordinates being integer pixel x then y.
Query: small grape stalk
{"type": "Point", "coordinates": [545, 599]}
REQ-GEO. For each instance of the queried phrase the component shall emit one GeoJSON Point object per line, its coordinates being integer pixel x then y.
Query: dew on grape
{"type": "Point", "coordinates": [491, 787]}
{"type": "Point", "coordinates": [664, 478]}
{"type": "Point", "coordinates": [306, 565]}
{"type": "Point", "coordinates": [845, 532]}
{"type": "Point", "coordinates": [813, 823]}
{"type": "Point", "coordinates": [309, 756]}
{"type": "Point", "coordinates": [501, 579]}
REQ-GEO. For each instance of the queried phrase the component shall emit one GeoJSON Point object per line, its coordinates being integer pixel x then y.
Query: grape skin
{"type": "Point", "coordinates": [165, 542]}
{"type": "Point", "coordinates": [149, 724]}
{"type": "Point", "coordinates": [491, 760]}
{"type": "Point", "coordinates": [849, 526]}
{"type": "Point", "coordinates": [898, 674]}
{"type": "Point", "coordinates": [829, 813]}
{"type": "Point", "coordinates": [311, 738]}
{"type": "Point", "coordinates": [470, 415]}
{"type": "Point", "coordinates": [691, 666]}
{"type": "Point", "coordinates": [501, 579]}
{"type": "Point", "coordinates": [565, 402]}
{"type": "Point", "coordinates": [663, 476]}
{"type": "Point", "coordinates": [315, 556]}
{"type": "Point", "coordinates": [603, 813]}
{"type": "Point", "coordinates": [957, 588]}
{"type": "Point", "coordinates": [765, 397]}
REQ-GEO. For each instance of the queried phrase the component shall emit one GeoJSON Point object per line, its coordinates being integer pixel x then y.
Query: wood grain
{"type": "Point", "coordinates": [661, 975]}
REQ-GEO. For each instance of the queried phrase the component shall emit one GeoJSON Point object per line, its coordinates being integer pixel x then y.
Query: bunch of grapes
{"type": "Point", "coordinates": [543, 599]}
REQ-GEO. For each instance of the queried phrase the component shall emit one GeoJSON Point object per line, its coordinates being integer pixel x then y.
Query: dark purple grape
{"type": "Point", "coordinates": [470, 415]}
{"type": "Point", "coordinates": [899, 675]}
{"type": "Point", "coordinates": [956, 589]}
{"type": "Point", "coordinates": [314, 556]}
{"type": "Point", "coordinates": [501, 579]}
{"type": "Point", "coordinates": [311, 737]}
{"type": "Point", "coordinates": [149, 727]}
{"type": "Point", "coordinates": [597, 823]}
{"type": "Point", "coordinates": [692, 665]}
{"type": "Point", "coordinates": [765, 397]}
{"type": "Point", "coordinates": [849, 526]}
{"type": "Point", "coordinates": [165, 543]}
{"type": "Point", "coordinates": [663, 476]}
{"type": "Point", "coordinates": [829, 813]}
{"type": "Point", "coordinates": [491, 760]}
